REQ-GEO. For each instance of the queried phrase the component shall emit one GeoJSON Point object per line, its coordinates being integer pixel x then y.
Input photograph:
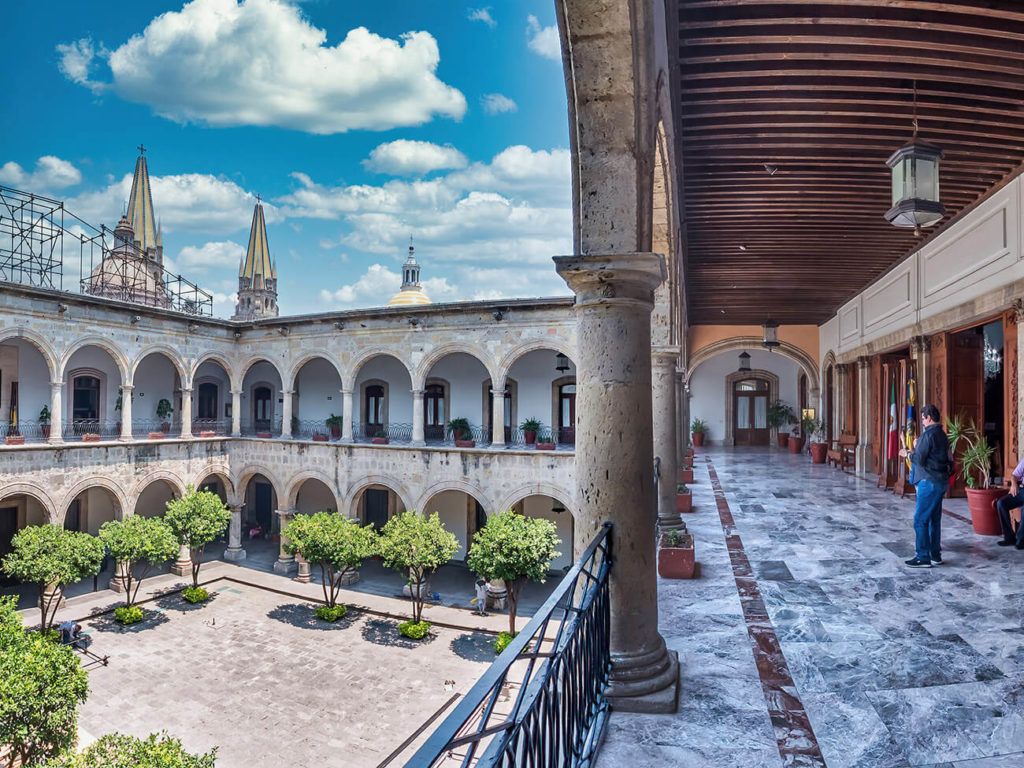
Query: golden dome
{"type": "Point", "coordinates": [409, 297]}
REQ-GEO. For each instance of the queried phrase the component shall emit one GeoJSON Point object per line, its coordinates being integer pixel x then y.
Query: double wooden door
{"type": "Point", "coordinates": [750, 412]}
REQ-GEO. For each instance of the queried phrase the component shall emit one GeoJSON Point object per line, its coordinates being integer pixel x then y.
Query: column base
{"type": "Point", "coordinates": [284, 566]}
{"type": "Point", "coordinates": [56, 440]}
{"type": "Point", "coordinates": [124, 439]}
{"type": "Point", "coordinates": [647, 683]}
{"type": "Point", "coordinates": [117, 585]}
{"type": "Point", "coordinates": [672, 523]}
{"type": "Point", "coordinates": [350, 578]}
{"type": "Point", "coordinates": [420, 589]}
{"type": "Point", "coordinates": [234, 554]}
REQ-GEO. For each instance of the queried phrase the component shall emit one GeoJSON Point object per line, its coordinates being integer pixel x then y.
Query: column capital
{"type": "Point", "coordinates": [919, 344]}
{"type": "Point", "coordinates": [841, 368]}
{"type": "Point", "coordinates": [127, 387]}
{"type": "Point", "coordinates": [184, 390]}
{"type": "Point", "coordinates": [603, 278]}
{"type": "Point", "coordinates": [345, 391]}
{"type": "Point", "coordinates": [665, 353]}
{"type": "Point", "coordinates": [1018, 309]}
{"type": "Point", "coordinates": [56, 385]}
{"type": "Point", "coordinates": [863, 362]}
{"type": "Point", "coordinates": [417, 392]}
{"type": "Point", "coordinates": [499, 392]}
{"type": "Point", "coordinates": [236, 391]}
{"type": "Point", "coordinates": [235, 508]}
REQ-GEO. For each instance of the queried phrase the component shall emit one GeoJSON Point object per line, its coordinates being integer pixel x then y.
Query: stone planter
{"type": "Point", "coordinates": [684, 502]}
{"type": "Point", "coordinates": [319, 437]}
{"type": "Point", "coordinates": [207, 433]}
{"type": "Point", "coordinates": [545, 446]}
{"type": "Point", "coordinates": [156, 435]}
{"type": "Point", "coordinates": [15, 440]}
{"type": "Point", "coordinates": [465, 443]}
{"type": "Point", "coordinates": [796, 444]}
{"type": "Point", "coordinates": [686, 475]}
{"type": "Point", "coordinates": [676, 562]}
{"type": "Point", "coordinates": [819, 451]}
{"type": "Point", "coordinates": [379, 440]}
{"type": "Point", "coordinates": [982, 503]}
{"type": "Point", "coordinates": [783, 439]}
{"type": "Point", "coordinates": [264, 435]}
{"type": "Point", "coordinates": [90, 437]}
{"type": "Point", "coordinates": [698, 439]}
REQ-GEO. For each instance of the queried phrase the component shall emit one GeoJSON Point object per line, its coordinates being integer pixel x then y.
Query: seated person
{"type": "Point", "coordinates": [1013, 501]}
{"type": "Point", "coordinates": [71, 634]}
{"type": "Point", "coordinates": [255, 531]}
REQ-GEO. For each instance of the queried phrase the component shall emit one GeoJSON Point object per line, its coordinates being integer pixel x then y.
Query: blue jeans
{"type": "Point", "coordinates": [928, 519]}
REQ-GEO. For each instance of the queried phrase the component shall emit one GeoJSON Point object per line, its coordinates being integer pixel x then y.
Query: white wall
{"type": "Point", "coordinates": [154, 379]}
{"type": "Point", "coordinates": [396, 375]}
{"type": "Point", "coordinates": [153, 499]}
{"type": "Point", "coordinates": [261, 373]}
{"type": "Point", "coordinates": [314, 496]}
{"type": "Point", "coordinates": [97, 507]}
{"type": "Point", "coordinates": [709, 396]}
{"type": "Point", "coordinates": [110, 387]}
{"type": "Point", "coordinates": [465, 376]}
{"type": "Point", "coordinates": [540, 507]}
{"type": "Point", "coordinates": [533, 373]}
{"type": "Point", "coordinates": [454, 508]}
{"type": "Point", "coordinates": [318, 391]}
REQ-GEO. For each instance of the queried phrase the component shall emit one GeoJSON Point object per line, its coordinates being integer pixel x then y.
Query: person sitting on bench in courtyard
{"type": "Point", "coordinates": [1013, 501]}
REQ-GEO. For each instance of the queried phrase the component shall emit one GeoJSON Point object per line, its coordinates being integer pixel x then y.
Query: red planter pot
{"type": "Point", "coordinates": [465, 443]}
{"type": "Point", "coordinates": [156, 435]}
{"type": "Point", "coordinates": [90, 437]}
{"type": "Point", "coordinates": [545, 446]}
{"type": "Point", "coordinates": [319, 438]}
{"type": "Point", "coordinates": [379, 440]}
{"type": "Point", "coordinates": [697, 438]}
{"type": "Point", "coordinates": [165, 426]}
{"type": "Point", "coordinates": [335, 432]}
{"type": "Point", "coordinates": [819, 451]}
{"type": "Point", "coordinates": [207, 433]}
{"type": "Point", "coordinates": [46, 430]}
{"type": "Point", "coordinates": [796, 444]}
{"type": "Point", "coordinates": [688, 453]}
{"type": "Point", "coordinates": [676, 562]}
{"type": "Point", "coordinates": [15, 440]}
{"type": "Point", "coordinates": [686, 475]}
{"type": "Point", "coordinates": [984, 516]}
{"type": "Point", "coordinates": [684, 502]}
{"type": "Point", "coordinates": [783, 439]}
{"type": "Point", "coordinates": [530, 437]}
{"type": "Point", "coordinates": [264, 435]}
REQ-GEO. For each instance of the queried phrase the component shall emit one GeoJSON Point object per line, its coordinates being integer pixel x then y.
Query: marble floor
{"type": "Point", "coordinates": [807, 642]}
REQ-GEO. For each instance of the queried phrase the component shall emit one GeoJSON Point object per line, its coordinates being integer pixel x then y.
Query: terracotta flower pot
{"type": "Point", "coordinates": [684, 502]}
{"type": "Point", "coordinates": [319, 437]}
{"type": "Point", "coordinates": [530, 437]}
{"type": "Point", "coordinates": [783, 439]}
{"type": "Point", "coordinates": [165, 426]}
{"type": "Point", "coordinates": [819, 451]}
{"type": "Point", "coordinates": [336, 431]}
{"type": "Point", "coordinates": [982, 503]}
{"type": "Point", "coordinates": [688, 453]}
{"type": "Point", "coordinates": [697, 438]}
{"type": "Point", "coordinates": [207, 433]}
{"type": "Point", "coordinates": [90, 437]}
{"type": "Point", "coordinates": [45, 429]}
{"type": "Point", "coordinates": [379, 440]}
{"type": "Point", "coordinates": [676, 562]}
{"type": "Point", "coordinates": [796, 444]}
{"type": "Point", "coordinates": [156, 435]}
{"type": "Point", "coordinates": [545, 446]}
{"type": "Point", "coordinates": [264, 435]}
{"type": "Point", "coordinates": [15, 440]}
{"type": "Point", "coordinates": [686, 475]}
{"type": "Point", "coordinates": [465, 443]}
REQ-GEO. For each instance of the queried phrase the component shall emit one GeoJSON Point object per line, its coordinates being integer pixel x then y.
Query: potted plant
{"type": "Point", "coordinates": [796, 439]}
{"type": "Point", "coordinates": [13, 438]}
{"type": "Point", "coordinates": [545, 443]}
{"type": "Point", "coordinates": [698, 429]}
{"type": "Point", "coordinates": [334, 424]}
{"type": "Point", "coordinates": [675, 555]}
{"type": "Point", "coordinates": [686, 473]}
{"type": "Point", "coordinates": [975, 468]}
{"type": "Point", "coordinates": [779, 415]}
{"type": "Point", "coordinates": [530, 429]}
{"type": "Point", "coordinates": [163, 412]}
{"type": "Point", "coordinates": [44, 421]}
{"type": "Point", "coordinates": [319, 437]}
{"type": "Point", "coordinates": [459, 429]}
{"type": "Point", "coordinates": [818, 441]}
{"type": "Point", "coordinates": [91, 437]}
{"type": "Point", "coordinates": [380, 438]}
{"type": "Point", "coordinates": [684, 499]}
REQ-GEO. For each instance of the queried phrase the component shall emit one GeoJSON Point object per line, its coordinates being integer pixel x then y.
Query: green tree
{"type": "Point", "coordinates": [417, 546]}
{"type": "Point", "coordinates": [49, 555]}
{"type": "Point", "coordinates": [118, 750]}
{"type": "Point", "coordinates": [332, 542]}
{"type": "Point", "coordinates": [41, 685]}
{"type": "Point", "coordinates": [196, 519]}
{"type": "Point", "coordinates": [139, 544]}
{"type": "Point", "coordinates": [516, 549]}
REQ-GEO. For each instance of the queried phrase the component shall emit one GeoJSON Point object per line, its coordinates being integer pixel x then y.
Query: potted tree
{"type": "Point", "coordinates": [545, 443]}
{"type": "Point", "coordinates": [380, 438]}
{"type": "Point", "coordinates": [976, 468]}
{"type": "Point", "coordinates": [163, 412]}
{"type": "Point", "coordinates": [818, 441]}
{"type": "Point", "coordinates": [138, 544]}
{"type": "Point", "coordinates": [334, 425]}
{"type": "Point", "coordinates": [196, 519]}
{"type": "Point", "coordinates": [459, 429]}
{"type": "Point", "coordinates": [530, 429]}
{"type": "Point", "coordinates": [684, 499]}
{"type": "Point", "coordinates": [698, 429]}
{"type": "Point", "coordinates": [779, 415]}
{"type": "Point", "coordinates": [44, 421]}
{"type": "Point", "coordinates": [675, 555]}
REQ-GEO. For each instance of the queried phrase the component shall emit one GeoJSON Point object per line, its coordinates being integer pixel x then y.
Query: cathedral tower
{"type": "Point", "coordinates": [148, 237]}
{"type": "Point", "coordinates": [257, 274]}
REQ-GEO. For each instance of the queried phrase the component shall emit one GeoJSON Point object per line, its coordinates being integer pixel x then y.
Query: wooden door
{"type": "Point", "coordinates": [264, 502]}
{"type": "Point", "coordinates": [966, 382]}
{"type": "Point", "coordinates": [376, 501]}
{"type": "Point", "coordinates": [750, 412]}
{"type": "Point", "coordinates": [262, 409]}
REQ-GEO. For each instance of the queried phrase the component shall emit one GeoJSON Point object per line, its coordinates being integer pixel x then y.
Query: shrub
{"type": "Point", "coordinates": [330, 612]}
{"type": "Point", "coordinates": [128, 614]}
{"type": "Point", "coordinates": [118, 750]}
{"type": "Point", "coordinates": [415, 630]}
{"type": "Point", "coordinates": [195, 594]}
{"type": "Point", "coordinates": [503, 641]}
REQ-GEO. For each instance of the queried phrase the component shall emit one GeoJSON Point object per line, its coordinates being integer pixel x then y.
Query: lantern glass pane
{"type": "Point", "coordinates": [897, 181]}
{"type": "Point", "coordinates": [924, 179]}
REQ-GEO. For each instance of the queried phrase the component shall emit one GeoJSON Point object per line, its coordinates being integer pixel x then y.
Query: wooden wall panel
{"type": "Point", "coordinates": [1011, 402]}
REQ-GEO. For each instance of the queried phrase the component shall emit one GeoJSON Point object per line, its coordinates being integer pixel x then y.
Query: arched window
{"type": "Point", "coordinates": [85, 403]}
{"type": "Point", "coordinates": [435, 411]}
{"type": "Point", "coordinates": [374, 410]}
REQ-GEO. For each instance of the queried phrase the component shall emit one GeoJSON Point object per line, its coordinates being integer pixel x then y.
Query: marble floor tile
{"type": "Point", "coordinates": [850, 732]}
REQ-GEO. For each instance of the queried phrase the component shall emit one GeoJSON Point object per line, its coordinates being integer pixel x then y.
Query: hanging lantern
{"type": "Point", "coordinates": [915, 185]}
{"type": "Point", "coordinates": [744, 361]}
{"type": "Point", "coordinates": [770, 335]}
{"type": "Point", "coordinates": [561, 363]}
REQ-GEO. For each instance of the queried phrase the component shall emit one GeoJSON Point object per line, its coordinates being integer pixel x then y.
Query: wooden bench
{"type": "Point", "coordinates": [843, 452]}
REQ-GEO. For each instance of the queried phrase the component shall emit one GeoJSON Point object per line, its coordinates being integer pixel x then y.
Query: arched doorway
{"type": "Point", "coordinates": [750, 412]}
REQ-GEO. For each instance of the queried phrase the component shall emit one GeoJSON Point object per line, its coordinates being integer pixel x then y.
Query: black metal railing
{"type": "Point", "coordinates": [31, 431]}
{"type": "Point", "coordinates": [220, 427]}
{"type": "Point", "coordinates": [308, 429]}
{"type": "Point", "coordinates": [86, 428]}
{"type": "Point", "coordinates": [143, 428]}
{"type": "Point", "coordinates": [541, 703]}
{"type": "Point", "coordinates": [564, 438]}
{"type": "Point", "coordinates": [395, 433]}
{"type": "Point", "coordinates": [480, 435]}
{"type": "Point", "coordinates": [261, 427]}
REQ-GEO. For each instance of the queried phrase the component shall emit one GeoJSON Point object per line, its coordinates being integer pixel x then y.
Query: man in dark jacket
{"type": "Point", "coordinates": [931, 471]}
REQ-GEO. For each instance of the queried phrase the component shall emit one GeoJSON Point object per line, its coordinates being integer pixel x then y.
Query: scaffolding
{"type": "Point", "coordinates": [33, 230]}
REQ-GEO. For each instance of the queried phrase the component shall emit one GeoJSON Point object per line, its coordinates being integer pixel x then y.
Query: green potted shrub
{"type": "Point", "coordinates": [818, 447]}
{"type": "Point", "coordinates": [334, 425]}
{"type": "Point", "coordinates": [459, 429]}
{"type": "Point", "coordinates": [530, 429]}
{"type": "Point", "coordinates": [698, 429]}
{"type": "Point", "coordinates": [44, 421]}
{"type": "Point", "coordinates": [676, 555]}
{"type": "Point", "coordinates": [780, 415]}
{"type": "Point", "coordinates": [796, 439]}
{"type": "Point", "coordinates": [976, 470]}
{"type": "Point", "coordinates": [684, 499]}
{"type": "Point", "coordinates": [163, 412]}
{"type": "Point", "coordinates": [545, 443]}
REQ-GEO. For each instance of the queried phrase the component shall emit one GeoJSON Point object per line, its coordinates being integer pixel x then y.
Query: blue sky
{"type": "Point", "coordinates": [358, 123]}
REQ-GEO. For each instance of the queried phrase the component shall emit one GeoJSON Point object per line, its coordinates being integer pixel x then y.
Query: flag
{"type": "Point", "coordinates": [894, 437]}
{"type": "Point", "coordinates": [911, 421]}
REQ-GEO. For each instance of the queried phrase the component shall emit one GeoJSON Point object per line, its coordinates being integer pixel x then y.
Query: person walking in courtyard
{"type": "Point", "coordinates": [481, 597]}
{"type": "Point", "coordinates": [931, 470]}
{"type": "Point", "coordinates": [1013, 501]}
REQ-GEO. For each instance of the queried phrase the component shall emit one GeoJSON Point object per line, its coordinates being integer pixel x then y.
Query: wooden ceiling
{"type": "Point", "coordinates": [822, 91]}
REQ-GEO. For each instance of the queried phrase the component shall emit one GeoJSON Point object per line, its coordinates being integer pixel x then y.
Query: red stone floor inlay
{"type": "Point", "coordinates": [793, 733]}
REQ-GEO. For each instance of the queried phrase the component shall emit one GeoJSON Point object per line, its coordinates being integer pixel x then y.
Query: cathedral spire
{"type": "Point", "coordinates": [140, 211]}
{"type": "Point", "coordinates": [257, 273]}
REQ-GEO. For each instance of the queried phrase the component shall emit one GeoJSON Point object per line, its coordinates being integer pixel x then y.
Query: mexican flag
{"type": "Point", "coordinates": [894, 436]}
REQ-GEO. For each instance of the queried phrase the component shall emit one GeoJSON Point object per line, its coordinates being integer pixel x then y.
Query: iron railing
{"type": "Point", "coordinates": [257, 428]}
{"type": "Point", "coordinates": [142, 428]}
{"type": "Point", "coordinates": [32, 431]}
{"type": "Point", "coordinates": [395, 433]}
{"type": "Point", "coordinates": [480, 435]}
{"type": "Point", "coordinates": [220, 427]}
{"type": "Point", "coordinates": [79, 429]}
{"type": "Point", "coordinates": [541, 703]}
{"type": "Point", "coordinates": [564, 438]}
{"type": "Point", "coordinates": [307, 429]}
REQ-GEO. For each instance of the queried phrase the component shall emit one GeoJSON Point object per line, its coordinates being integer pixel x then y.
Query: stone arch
{"type": "Point", "coordinates": [119, 358]}
{"type": "Point", "coordinates": [50, 356]}
{"type": "Point", "coordinates": [214, 357]}
{"type": "Point", "coordinates": [730, 382]}
{"type": "Point", "coordinates": [251, 361]}
{"type": "Point", "coordinates": [37, 493]}
{"type": "Point", "coordinates": [537, 489]}
{"type": "Point", "coordinates": [293, 372]}
{"type": "Point", "coordinates": [553, 343]}
{"type": "Point", "coordinates": [355, 489]}
{"type": "Point", "coordinates": [176, 483]}
{"type": "Point", "coordinates": [161, 349]}
{"type": "Point", "coordinates": [802, 359]}
{"type": "Point", "coordinates": [223, 473]}
{"type": "Point", "coordinates": [310, 474]}
{"type": "Point", "coordinates": [244, 475]}
{"type": "Point", "coordinates": [99, 481]}
{"type": "Point", "coordinates": [458, 484]}
{"type": "Point", "coordinates": [356, 364]}
{"type": "Point", "coordinates": [440, 352]}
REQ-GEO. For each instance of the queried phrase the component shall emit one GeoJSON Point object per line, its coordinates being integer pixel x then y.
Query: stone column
{"type": "Point", "coordinates": [286, 412]}
{"type": "Point", "coordinates": [52, 597]}
{"type": "Point", "coordinates": [863, 458]}
{"type": "Point", "coordinates": [418, 431]}
{"type": "Point", "coordinates": [346, 415]}
{"type": "Point", "coordinates": [840, 403]}
{"type": "Point", "coordinates": [126, 412]}
{"type": "Point", "coordinates": [120, 580]}
{"type": "Point", "coordinates": [497, 595]}
{"type": "Point", "coordinates": [614, 460]}
{"type": "Point", "coordinates": [285, 563]}
{"type": "Point", "coordinates": [234, 550]}
{"type": "Point", "coordinates": [186, 414]}
{"type": "Point", "coordinates": [664, 430]}
{"type": "Point", "coordinates": [236, 412]}
{"type": "Point", "coordinates": [304, 573]}
{"type": "Point", "coordinates": [56, 415]}
{"type": "Point", "coordinates": [1018, 308]}
{"type": "Point", "coordinates": [183, 565]}
{"type": "Point", "coordinates": [682, 410]}
{"type": "Point", "coordinates": [498, 418]}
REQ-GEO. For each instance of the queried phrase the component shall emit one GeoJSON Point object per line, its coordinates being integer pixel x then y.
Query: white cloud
{"type": "Point", "coordinates": [221, 253]}
{"type": "Point", "coordinates": [376, 287]}
{"type": "Point", "coordinates": [543, 40]}
{"type": "Point", "coordinates": [495, 103]}
{"type": "Point", "coordinates": [481, 14]}
{"type": "Point", "coordinates": [76, 60]}
{"type": "Point", "coordinates": [413, 158]}
{"type": "Point", "coordinates": [261, 62]}
{"type": "Point", "coordinates": [51, 173]}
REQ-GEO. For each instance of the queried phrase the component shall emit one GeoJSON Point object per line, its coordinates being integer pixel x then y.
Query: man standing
{"type": "Point", "coordinates": [1005, 504]}
{"type": "Point", "coordinates": [932, 468]}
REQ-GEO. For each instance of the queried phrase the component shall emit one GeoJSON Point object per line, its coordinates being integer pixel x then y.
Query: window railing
{"type": "Point", "coordinates": [262, 427]}
{"type": "Point", "coordinates": [32, 431]}
{"type": "Point", "coordinates": [394, 433]}
{"type": "Point", "coordinates": [480, 435]}
{"type": "Point", "coordinates": [220, 427]}
{"type": "Point", "coordinates": [142, 428]}
{"type": "Point", "coordinates": [564, 438]}
{"type": "Point", "coordinates": [541, 703]}
{"type": "Point", "coordinates": [85, 429]}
